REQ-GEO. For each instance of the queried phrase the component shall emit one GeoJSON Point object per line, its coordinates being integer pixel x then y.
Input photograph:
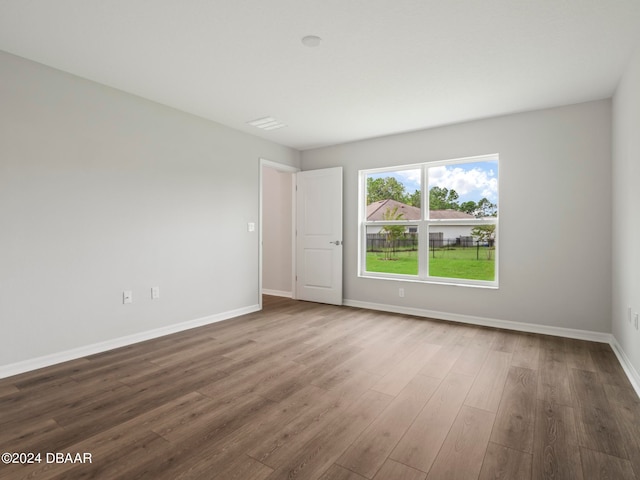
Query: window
{"type": "Point", "coordinates": [435, 222]}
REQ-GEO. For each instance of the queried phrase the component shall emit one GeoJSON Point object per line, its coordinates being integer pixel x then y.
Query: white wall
{"type": "Point", "coordinates": [555, 209]}
{"type": "Point", "coordinates": [277, 227]}
{"type": "Point", "coordinates": [626, 220]}
{"type": "Point", "coordinates": [101, 192]}
{"type": "Point", "coordinates": [451, 232]}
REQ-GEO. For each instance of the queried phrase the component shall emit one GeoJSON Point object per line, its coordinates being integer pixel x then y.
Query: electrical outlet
{"type": "Point", "coordinates": [401, 292]}
{"type": "Point", "coordinates": [155, 293]}
{"type": "Point", "coordinates": [635, 320]}
{"type": "Point", "coordinates": [127, 297]}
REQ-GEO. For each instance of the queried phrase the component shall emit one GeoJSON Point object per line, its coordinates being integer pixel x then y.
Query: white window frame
{"type": "Point", "coordinates": [423, 224]}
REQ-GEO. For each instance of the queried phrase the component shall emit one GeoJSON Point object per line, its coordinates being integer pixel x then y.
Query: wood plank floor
{"type": "Point", "coordinates": [309, 391]}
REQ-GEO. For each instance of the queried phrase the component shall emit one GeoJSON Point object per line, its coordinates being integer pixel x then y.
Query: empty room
{"type": "Point", "coordinates": [305, 239]}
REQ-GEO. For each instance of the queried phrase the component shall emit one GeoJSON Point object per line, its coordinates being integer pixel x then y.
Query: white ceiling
{"type": "Point", "coordinates": [384, 66]}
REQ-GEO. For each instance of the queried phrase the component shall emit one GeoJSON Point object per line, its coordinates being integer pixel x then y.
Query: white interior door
{"type": "Point", "coordinates": [319, 235]}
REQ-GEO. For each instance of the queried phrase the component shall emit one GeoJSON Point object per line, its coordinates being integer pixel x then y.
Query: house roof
{"type": "Point", "coordinates": [448, 214]}
{"type": "Point", "coordinates": [376, 210]}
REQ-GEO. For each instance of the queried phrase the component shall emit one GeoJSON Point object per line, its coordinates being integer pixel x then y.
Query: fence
{"type": "Point", "coordinates": [379, 242]}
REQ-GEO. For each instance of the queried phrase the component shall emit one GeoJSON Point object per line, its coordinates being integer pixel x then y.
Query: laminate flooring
{"type": "Point", "coordinates": [309, 391]}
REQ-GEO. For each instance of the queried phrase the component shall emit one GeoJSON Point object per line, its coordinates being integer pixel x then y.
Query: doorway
{"type": "Point", "coordinates": [277, 233]}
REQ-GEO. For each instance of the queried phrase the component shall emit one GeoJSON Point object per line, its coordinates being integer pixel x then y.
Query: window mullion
{"type": "Point", "coordinates": [423, 250]}
{"type": "Point", "coordinates": [423, 229]}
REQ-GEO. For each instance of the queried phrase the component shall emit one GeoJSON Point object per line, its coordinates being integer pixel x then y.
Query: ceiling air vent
{"type": "Point", "coordinates": [267, 123]}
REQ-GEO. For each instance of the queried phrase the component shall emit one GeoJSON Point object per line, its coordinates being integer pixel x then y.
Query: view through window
{"type": "Point", "coordinates": [435, 221]}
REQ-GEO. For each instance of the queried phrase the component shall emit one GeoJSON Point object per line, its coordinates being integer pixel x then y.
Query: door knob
{"type": "Point", "coordinates": [337, 242]}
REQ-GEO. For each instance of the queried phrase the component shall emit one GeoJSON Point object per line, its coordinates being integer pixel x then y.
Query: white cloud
{"type": "Point", "coordinates": [409, 178]}
{"type": "Point", "coordinates": [491, 191]}
{"type": "Point", "coordinates": [471, 183]}
{"type": "Point", "coordinates": [474, 181]}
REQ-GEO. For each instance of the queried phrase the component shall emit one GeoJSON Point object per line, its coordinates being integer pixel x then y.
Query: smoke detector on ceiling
{"type": "Point", "coordinates": [311, 41]}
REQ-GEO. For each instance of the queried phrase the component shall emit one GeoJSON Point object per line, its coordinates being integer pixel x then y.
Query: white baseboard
{"type": "Point", "coordinates": [628, 368]}
{"type": "Point", "coordinates": [277, 293]}
{"type": "Point", "coordinates": [486, 322]}
{"type": "Point", "coordinates": [632, 373]}
{"type": "Point", "coordinates": [59, 357]}
{"type": "Point", "coordinates": [53, 359]}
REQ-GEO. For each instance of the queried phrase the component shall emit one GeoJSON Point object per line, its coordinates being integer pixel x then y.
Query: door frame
{"type": "Point", "coordinates": [281, 167]}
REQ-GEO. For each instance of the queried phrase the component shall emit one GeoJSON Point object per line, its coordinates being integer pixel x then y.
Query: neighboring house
{"type": "Point", "coordinates": [448, 234]}
{"type": "Point", "coordinates": [442, 233]}
{"type": "Point", "coordinates": [377, 210]}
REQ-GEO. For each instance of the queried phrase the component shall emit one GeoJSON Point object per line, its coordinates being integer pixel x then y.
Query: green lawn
{"type": "Point", "coordinates": [455, 263]}
{"type": "Point", "coordinates": [403, 262]}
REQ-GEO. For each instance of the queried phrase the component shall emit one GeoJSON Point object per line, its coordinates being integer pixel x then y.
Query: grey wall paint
{"type": "Point", "coordinates": [101, 191]}
{"type": "Point", "coordinates": [555, 209]}
{"type": "Point", "coordinates": [277, 227]}
{"type": "Point", "coordinates": [626, 198]}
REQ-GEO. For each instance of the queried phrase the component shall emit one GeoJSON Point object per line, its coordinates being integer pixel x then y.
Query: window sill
{"type": "Point", "coordinates": [431, 281]}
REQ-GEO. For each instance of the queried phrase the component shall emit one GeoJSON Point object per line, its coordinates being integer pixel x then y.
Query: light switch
{"type": "Point", "coordinates": [127, 296]}
{"type": "Point", "coordinates": [155, 293]}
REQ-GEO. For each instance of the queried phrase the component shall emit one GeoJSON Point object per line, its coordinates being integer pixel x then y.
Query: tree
{"type": "Point", "coordinates": [387, 188]}
{"type": "Point", "coordinates": [486, 209]}
{"type": "Point", "coordinates": [441, 198]}
{"type": "Point", "coordinates": [469, 207]}
{"type": "Point", "coordinates": [414, 199]}
{"type": "Point", "coordinates": [392, 232]}
{"type": "Point", "coordinates": [485, 233]}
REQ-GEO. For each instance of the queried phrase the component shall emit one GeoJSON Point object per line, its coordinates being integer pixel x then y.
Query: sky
{"type": "Point", "coordinates": [472, 181]}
